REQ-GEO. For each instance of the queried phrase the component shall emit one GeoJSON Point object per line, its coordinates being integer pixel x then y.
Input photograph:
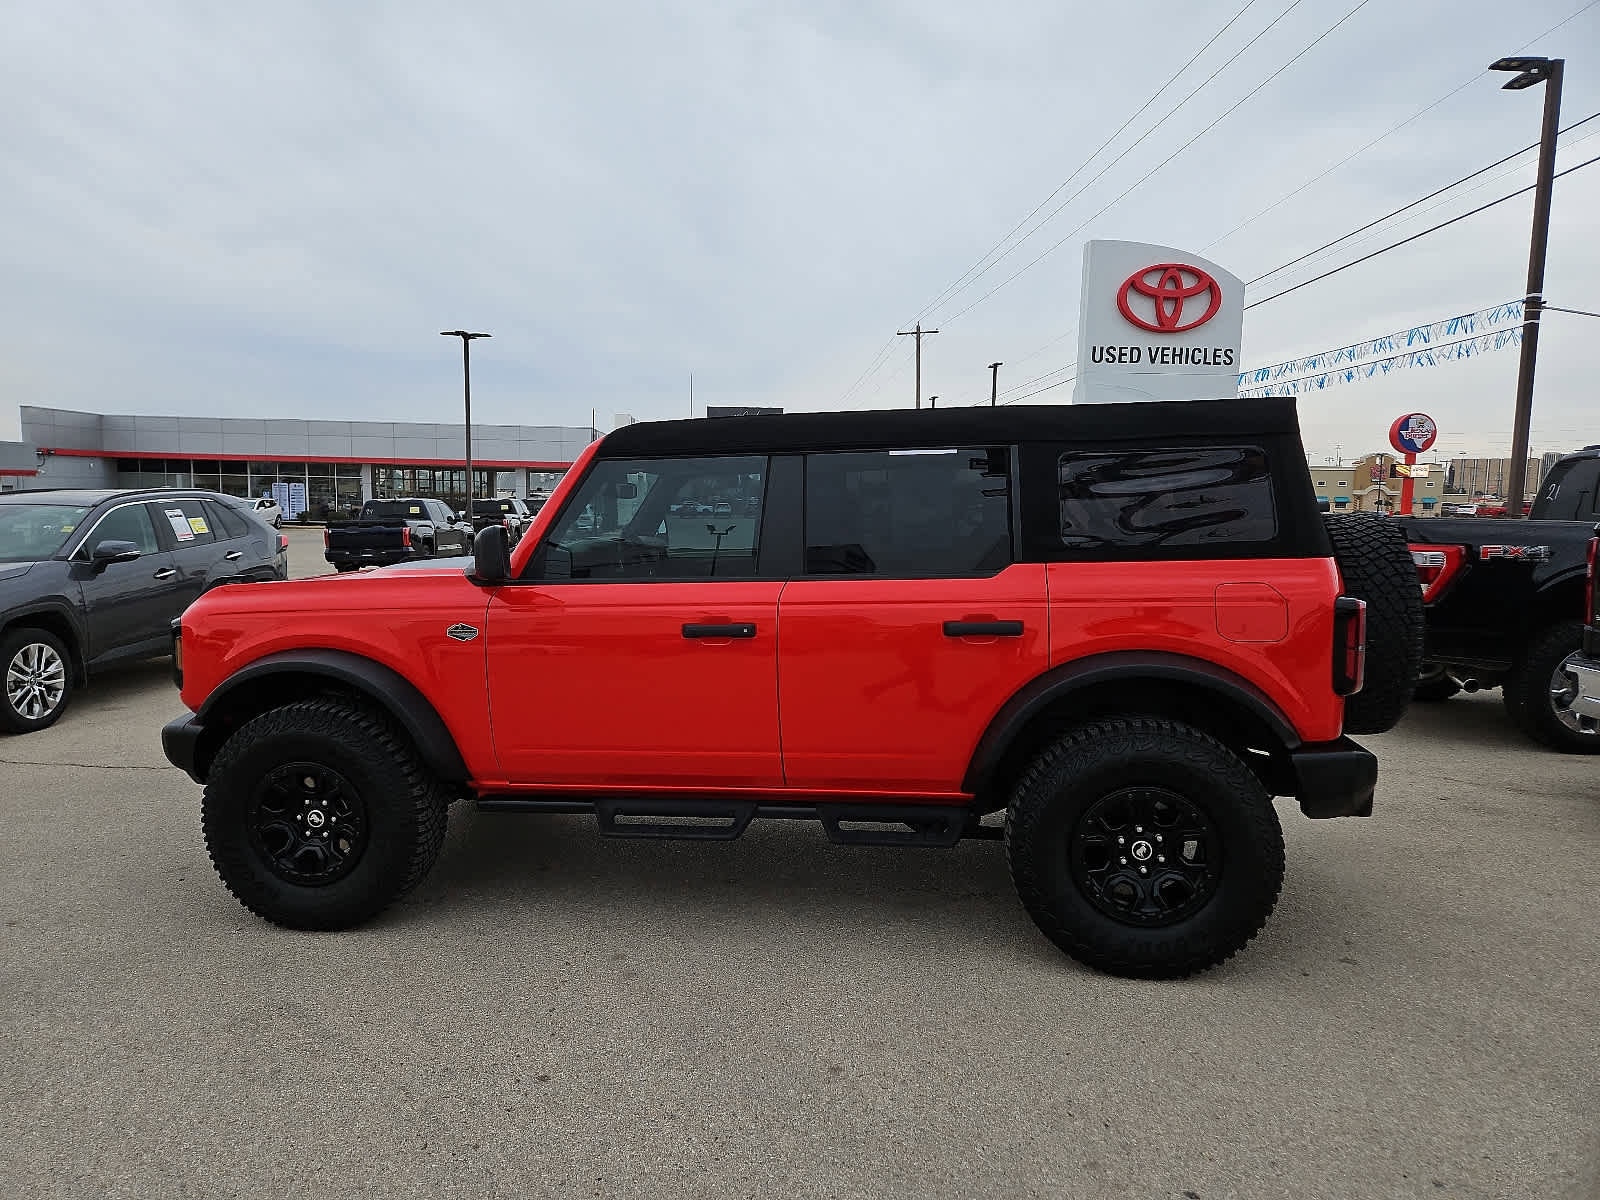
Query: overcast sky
{"type": "Point", "coordinates": [272, 209]}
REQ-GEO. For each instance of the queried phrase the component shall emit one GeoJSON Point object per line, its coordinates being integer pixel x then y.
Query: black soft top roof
{"type": "Point", "coordinates": [1145, 422]}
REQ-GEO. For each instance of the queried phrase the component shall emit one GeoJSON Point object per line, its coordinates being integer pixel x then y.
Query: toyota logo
{"type": "Point", "coordinates": [1170, 291]}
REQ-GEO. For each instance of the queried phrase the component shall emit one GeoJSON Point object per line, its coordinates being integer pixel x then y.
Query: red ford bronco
{"type": "Point", "coordinates": [1126, 627]}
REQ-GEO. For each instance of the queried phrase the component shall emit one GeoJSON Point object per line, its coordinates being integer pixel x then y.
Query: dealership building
{"type": "Point", "coordinates": [338, 464]}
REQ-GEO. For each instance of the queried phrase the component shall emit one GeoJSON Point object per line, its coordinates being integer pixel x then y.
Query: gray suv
{"type": "Point", "coordinates": [90, 578]}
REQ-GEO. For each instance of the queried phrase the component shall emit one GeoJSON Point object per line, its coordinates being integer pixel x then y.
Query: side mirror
{"type": "Point", "coordinates": [491, 556]}
{"type": "Point", "coordinates": [461, 515]}
{"type": "Point", "coordinates": [112, 551]}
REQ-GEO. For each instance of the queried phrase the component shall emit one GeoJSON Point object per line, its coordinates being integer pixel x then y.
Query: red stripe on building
{"type": "Point", "coordinates": [17, 471]}
{"type": "Point", "coordinates": [486, 464]}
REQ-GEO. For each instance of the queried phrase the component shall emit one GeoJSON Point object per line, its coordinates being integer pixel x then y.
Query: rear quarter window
{"type": "Point", "coordinates": [1164, 502]}
{"type": "Point", "coordinates": [1161, 498]}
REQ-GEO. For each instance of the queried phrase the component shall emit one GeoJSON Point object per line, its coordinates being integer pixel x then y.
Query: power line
{"type": "Point", "coordinates": [1424, 233]}
{"type": "Point", "coordinates": [1576, 312]}
{"type": "Point", "coordinates": [883, 353]}
{"type": "Point", "coordinates": [1421, 112]}
{"type": "Point", "coordinates": [1100, 174]}
{"type": "Point", "coordinates": [961, 283]}
{"type": "Point", "coordinates": [1229, 112]}
{"type": "Point", "coordinates": [1405, 207]}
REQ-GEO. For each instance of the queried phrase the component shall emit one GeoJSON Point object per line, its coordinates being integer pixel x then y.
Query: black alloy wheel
{"type": "Point", "coordinates": [1146, 856]}
{"type": "Point", "coordinates": [1144, 847]}
{"type": "Point", "coordinates": [321, 813]}
{"type": "Point", "coordinates": [308, 823]}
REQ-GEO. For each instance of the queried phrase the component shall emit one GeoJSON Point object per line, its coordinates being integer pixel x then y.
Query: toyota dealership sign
{"type": "Point", "coordinates": [1156, 324]}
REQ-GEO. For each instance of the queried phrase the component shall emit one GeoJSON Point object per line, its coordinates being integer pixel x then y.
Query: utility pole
{"type": "Point", "coordinates": [919, 333]}
{"type": "Point", "coordinates": [691, 393]}
{"type": "Point", "coordinates": [466, 381]}
{"type": "Point", "coordinates": [994, 382]}
{"type": "Point", "coordinates": [1546, 71]}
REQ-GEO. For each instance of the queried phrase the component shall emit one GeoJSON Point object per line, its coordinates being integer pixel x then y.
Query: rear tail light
{"type": "Point", "coordinates": [1349, 645]}
{"type": "Point", "coordinates": [405, 536]}
{"type": "Point", "coordinates": [283, 542]}
{"type": "Point", "coordinates": [1436, 567]}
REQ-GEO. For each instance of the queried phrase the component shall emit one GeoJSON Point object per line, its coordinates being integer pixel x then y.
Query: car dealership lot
{"type": "Point", "coordinates": [557, 1014]}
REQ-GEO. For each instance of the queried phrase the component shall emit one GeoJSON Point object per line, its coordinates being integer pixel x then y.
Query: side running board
{"type": "Point", "coordinates": [713, 819]}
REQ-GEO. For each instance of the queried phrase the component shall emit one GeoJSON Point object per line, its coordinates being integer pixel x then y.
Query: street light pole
{"type": "Point", "coordinates": [1532, 71]}
{"type": "Point", "coordinates": [466, 383]}
{"type": "Point", "coordinates": [994, 382]}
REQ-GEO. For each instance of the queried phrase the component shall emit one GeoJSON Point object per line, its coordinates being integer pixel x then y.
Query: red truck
{"type": "Point", "coordinates": [1125, 627]}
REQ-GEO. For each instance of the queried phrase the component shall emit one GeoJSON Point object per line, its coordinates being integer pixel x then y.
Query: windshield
{"type": "Point", "coordinates": [393, 508]}
{"type": "Point", "coordinates": [487, 508]}
{"type": "Point", "coordinates": [29, 532]}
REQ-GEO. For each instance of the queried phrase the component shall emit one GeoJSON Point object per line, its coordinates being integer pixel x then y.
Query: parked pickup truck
{"type": "Point", "coordinates": [508, 512]}
{"type": "Point", "coordinates": [1504, 603]}
{"type": "Point", "coordinates": [396, 531]}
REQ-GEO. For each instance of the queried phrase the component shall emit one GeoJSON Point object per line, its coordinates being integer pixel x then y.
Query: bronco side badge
{"type": "Point", "coordinates": [462, 633]}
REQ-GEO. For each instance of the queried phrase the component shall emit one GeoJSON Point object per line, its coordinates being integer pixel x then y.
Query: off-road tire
{"type": "Point", "coordinates": [1526, 690]}
{"type": "Point", "coordinates": [1099, 759]}
{"type": "Point", "coordinates": [1435, 687]}
{"type": "Point", "coordinates": [1376, 565]}
{"type": "Point", "coordinates": [404, 811]}
{"type": "Point", "coordinates": [12, 645]}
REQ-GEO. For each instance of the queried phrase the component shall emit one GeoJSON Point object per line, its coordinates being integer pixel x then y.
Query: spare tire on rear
{"type": "Point", "coordinates": [1375, 562]}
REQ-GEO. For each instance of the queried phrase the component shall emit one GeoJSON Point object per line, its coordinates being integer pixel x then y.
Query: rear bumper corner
{"type": "Point", "coordinates": [1335, 779]}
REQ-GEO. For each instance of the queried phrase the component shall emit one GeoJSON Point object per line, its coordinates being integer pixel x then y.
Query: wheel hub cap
{"type": "Point", "coordinates": [1563, 693]}
{"type": "Point", "coordinates": [1145, 856]}
{"type": "Point", "coordinates": [36, 681]}
{"type": "Point", "coordinates": [308, 823]}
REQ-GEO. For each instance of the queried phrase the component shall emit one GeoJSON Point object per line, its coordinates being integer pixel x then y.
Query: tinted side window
{"type": "Point", "coordinates": [901, 513]}
{"type": "Point", "coordinates": [130, 523]}
{"type": "Point", "coordinates": [1139, 499]}
{"type": "Point", "coordinates": [229, 524]}
{"type": "Point", "coordinates": [685, 518]}
{"type": "Point", "coordinates": [186, 522]}
{"type": "Point", "coordinates": [1571, 495]}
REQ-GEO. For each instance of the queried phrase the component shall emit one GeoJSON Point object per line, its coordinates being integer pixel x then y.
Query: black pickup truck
{"type": "Point", "coordinates": [508, 512]}
{"type": "Point", "coordinates": [1505, 603]}
{"type": "Point", "coordinates": [396, 531]}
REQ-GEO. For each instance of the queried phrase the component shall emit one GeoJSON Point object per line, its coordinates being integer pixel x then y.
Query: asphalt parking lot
{"type": "Point", "coordinates": [556, 1014]}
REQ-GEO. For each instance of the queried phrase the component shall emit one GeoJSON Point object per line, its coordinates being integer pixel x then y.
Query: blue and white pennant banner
{"type": "Point", "coordinates": [1462, 337]}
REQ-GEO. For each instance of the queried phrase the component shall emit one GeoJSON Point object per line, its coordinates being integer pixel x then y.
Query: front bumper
{"type": "Point", "coordinates": [180, 742]}
{"type": "Point", "coordinates": [1586, 670]}
{"type": "Point", "coordinates": [1335, 779]}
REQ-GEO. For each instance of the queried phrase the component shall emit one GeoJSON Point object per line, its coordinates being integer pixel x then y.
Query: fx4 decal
{"type": "Point", "coordinates": [1519, 553]}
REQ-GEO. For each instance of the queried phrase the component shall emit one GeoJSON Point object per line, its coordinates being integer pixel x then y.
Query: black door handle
{"type": "Point", "coordinates": [983, 629]}
{"type": "Point", "coordinates": [741, 630]}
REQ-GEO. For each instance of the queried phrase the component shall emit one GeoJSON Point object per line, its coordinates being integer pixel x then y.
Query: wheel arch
{"type": "Point", "coordinates": [59, 620]}
{"type": "Point", "coordinates": [293, 675]}
{"type": "Point", "coordinates": [1559, 600]}
{"type": "Point", "coordinates": [1199, 693]}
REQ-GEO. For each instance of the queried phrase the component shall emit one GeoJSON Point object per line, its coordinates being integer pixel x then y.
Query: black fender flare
{"type": "Point", "coordinates": [384, 686]}
{"type": "Point", "coordinates": [62, 610]}
{"type": "Point", "coordinates": [1117, 666]}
